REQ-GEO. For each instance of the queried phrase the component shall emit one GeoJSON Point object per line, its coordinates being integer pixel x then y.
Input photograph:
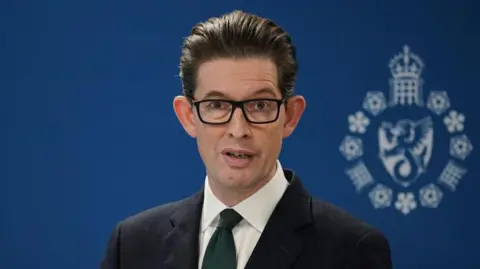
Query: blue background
{"type": "Point", "coordinates": [90, 135]}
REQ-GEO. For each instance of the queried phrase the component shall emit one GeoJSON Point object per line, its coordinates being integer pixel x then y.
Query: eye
{"type": "Point", "coordinates": [259, 105]}
{"type": "Point", "coordinates": [217, 105]}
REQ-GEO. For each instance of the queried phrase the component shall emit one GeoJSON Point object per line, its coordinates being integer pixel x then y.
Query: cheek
{"type": "Point", "coordinates": [272, 139]}
{"type": "Point", "coordinates": [208, 138]}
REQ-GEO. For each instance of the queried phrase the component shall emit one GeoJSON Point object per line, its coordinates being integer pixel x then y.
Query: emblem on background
{"type": "Point", "coordinates": [405, 141]}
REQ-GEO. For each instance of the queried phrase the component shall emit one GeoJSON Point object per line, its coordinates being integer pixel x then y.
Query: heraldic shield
{"type": "Point", "coordinates": [405, 148]}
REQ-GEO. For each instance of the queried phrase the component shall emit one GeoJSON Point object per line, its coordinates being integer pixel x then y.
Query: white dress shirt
{"type": "Point", "coordinates": [255, 210]}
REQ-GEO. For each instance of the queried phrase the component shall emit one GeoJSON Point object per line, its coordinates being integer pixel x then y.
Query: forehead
{"type": "Point", "coordinates": [237, 78]}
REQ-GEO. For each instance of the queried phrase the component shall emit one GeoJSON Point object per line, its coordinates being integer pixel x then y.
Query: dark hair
{"type": "Point", "coordinates": [238, 35]}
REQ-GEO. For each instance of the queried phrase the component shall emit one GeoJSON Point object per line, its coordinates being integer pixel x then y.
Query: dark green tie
{"type": "Point", "coordinates": [221, 253]}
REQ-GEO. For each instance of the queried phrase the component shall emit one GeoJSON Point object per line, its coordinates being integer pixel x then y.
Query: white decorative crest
{"type": "Point", "coordinates": [406, 83]}
{"type": "Point", "coordinates": [438, 102]}
{"type": "Point", "coordinates": [375, 102]}
{"type": "Point", "coordinates": [406, 65]}
{"type": "Point", "coordinates": [406, 148]}
{"type": "Point", "coordinates": [405, 145]}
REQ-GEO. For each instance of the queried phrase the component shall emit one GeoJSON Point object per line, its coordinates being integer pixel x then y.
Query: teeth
{"type": "Point", "coordinates": [240, 156]}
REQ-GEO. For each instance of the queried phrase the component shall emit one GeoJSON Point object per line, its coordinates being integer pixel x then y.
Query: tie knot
{"type": "Point", "coordinates": [229, 218]}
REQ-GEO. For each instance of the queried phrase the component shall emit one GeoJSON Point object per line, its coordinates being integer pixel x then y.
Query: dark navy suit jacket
{"type": "Point", "coordinates": [302, 233]}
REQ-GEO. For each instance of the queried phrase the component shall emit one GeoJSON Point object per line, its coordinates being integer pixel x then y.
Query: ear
{"type": "Point", "coordinates": [184, 111]}
{"type": "Point", "coordinates": [293, 112]}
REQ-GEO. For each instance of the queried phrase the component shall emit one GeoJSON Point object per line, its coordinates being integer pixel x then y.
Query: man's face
{"type": "Point", "coordinates": [239, 80]}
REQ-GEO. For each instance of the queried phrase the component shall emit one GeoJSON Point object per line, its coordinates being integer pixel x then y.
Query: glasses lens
{"type": "Point", "coordinates": [261, 110]}
{"type": "Point", "coordinates": [215, 111]}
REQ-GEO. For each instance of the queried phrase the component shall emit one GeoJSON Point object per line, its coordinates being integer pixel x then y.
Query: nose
{"type": "Point", "coordinates": [238, 126]}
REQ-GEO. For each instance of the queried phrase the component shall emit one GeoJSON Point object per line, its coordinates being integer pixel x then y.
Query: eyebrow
{"type": "Point", "coordinates": [218, 94]}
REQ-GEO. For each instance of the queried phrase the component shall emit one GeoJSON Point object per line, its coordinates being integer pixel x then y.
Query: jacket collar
{"type": "Point", "coordinates": [278, 247]}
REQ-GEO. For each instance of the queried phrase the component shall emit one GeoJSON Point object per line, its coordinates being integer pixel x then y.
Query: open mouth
{"type": "Point", "coordinates": [238, 155]}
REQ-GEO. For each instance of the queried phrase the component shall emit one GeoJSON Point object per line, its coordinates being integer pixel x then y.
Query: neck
{"type": "Point", "coordinates": [231, 196]}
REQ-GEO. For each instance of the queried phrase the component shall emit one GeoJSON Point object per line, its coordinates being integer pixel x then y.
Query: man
{"type": "Point", "coordinates": [238, 73]}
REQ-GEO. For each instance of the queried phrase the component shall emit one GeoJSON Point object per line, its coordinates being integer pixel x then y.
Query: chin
{"type": "Point", "coordinates": [236, 178]}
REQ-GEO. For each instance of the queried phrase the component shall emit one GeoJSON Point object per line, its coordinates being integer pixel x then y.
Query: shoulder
{"type": "Point", "coordinates": [140, 236]}
{"type": "Point", "coordinates": [352, 241]}
{"type": "Point", "coordinates": [343, 227]}
{"type": "Point", "coordinates": [327, 215]}
{"type": "Point", "coordinates": [156, 217]}
{"type": "Point", "coordinates": [152, 215]}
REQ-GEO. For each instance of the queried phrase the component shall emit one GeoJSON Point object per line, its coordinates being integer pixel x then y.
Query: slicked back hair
{"type": "Point", "coordinates": [238, 35]}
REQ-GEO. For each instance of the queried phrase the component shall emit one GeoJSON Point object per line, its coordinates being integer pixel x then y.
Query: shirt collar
{"type": "Point", "coordinates": [256, 209]}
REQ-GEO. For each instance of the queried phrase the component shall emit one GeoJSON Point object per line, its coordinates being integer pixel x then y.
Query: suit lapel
{"type": "Point", "coordinates": [278, 247]}
{"type": "Point", "coordinates": [281, 242]}
{"type": "Point", "coordinates": [182, 242]}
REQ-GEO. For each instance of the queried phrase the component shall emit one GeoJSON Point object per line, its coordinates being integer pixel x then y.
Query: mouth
{"type": "Point", "coordinates": [238, 158]}
{"type": "Point", "coordinates": [233, 154]}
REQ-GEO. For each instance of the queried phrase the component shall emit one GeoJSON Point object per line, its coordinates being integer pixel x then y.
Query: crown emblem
{"type": "Point", "coordinates": [406, 65]}
{"type": "Point", "coordinates": [406, 83]}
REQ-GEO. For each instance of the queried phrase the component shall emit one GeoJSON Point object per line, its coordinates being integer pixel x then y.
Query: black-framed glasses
{"type": "Point", "coordinates": [220, 111]}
